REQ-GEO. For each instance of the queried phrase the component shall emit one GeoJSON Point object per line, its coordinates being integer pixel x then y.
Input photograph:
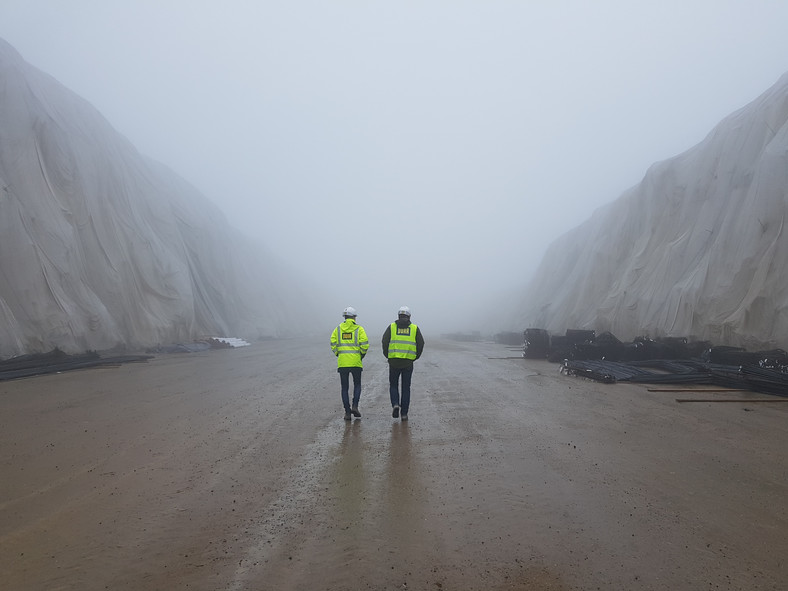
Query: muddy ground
{"type": "Point", "coordinates": [234, 470]}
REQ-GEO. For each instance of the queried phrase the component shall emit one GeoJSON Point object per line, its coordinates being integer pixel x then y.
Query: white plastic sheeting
{"type": "Point", "coordinates": [697, 249]}
{"type": "Point", "coordinates": [102, 247]}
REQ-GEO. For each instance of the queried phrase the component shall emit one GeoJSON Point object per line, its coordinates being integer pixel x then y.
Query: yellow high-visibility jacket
{"type": "Point", "coordinates": [349, 343]}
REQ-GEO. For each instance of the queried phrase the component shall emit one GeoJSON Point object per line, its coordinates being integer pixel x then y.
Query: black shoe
{"type": "Point", "coordinates": [395, 412]}
{"type": "Point", "coordinates": [355, 412]}
{"type": "Point", "coordinates": [347, 416]}
{"type": "Point", "coordinates": [404, 417]}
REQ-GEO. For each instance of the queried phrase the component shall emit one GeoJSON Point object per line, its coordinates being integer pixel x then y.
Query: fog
{"type": "Point", "coordinates": [409, 153]}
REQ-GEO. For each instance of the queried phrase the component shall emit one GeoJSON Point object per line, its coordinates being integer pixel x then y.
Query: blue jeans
{"type": "Point", "coordinates": [344, 381]}
{"type": "Point", "coordinates": [404, 401]}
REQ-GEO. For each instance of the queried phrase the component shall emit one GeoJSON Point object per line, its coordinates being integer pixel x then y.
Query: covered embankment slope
{"type": "Point", "coordinates": [100, 246]}
{"type": "Point", "coordinates": [697, 249]}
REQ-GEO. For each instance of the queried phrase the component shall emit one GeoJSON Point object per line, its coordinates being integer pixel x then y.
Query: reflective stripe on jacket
{"type": "Point", "coordinates": [349, 343]}
{"type": "Point", "coordinates": [403, 342]}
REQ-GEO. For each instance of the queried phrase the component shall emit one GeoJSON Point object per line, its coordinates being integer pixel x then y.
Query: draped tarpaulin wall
{"type": "Point", "coordinates": [100, 246]}
{"type": "Point", "coordinates": [699, 248]}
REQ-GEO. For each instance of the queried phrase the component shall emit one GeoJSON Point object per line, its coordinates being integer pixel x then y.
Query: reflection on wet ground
{"type": "Point", "coordinates": [351, 478]}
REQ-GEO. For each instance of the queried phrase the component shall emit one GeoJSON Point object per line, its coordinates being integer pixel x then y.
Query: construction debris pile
{"type": "Point", "coordinates": [669, 360]}
{"type": "Point", "coordinates": [199, 345]}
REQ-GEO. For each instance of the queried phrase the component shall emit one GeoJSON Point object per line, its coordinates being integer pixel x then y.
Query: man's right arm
{"type": "Point", "coordinates": [385, 342]}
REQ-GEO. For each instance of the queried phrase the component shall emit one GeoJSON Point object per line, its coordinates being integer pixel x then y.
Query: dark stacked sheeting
{"type": "Point", "coordinates": [56, 361]}
{"type": "Point", "coordinates": [669, 360]}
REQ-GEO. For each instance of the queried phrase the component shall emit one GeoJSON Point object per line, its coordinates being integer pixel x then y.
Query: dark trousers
{"type": "Point", "coordinates": [344, 381]}
{"type": "Point", "coordinates": [394, 376]}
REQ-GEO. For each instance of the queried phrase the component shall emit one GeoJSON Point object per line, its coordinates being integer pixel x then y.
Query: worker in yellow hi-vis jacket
{"type": "Point", "coordinates": [349, 343]}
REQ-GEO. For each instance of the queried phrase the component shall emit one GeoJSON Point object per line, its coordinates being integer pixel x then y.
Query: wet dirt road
{"type": "Point", "coordinates": [234, 470]}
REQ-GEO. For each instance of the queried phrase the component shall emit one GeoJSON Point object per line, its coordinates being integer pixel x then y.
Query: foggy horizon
{"type": "Point", "coordinates": [424, 154]}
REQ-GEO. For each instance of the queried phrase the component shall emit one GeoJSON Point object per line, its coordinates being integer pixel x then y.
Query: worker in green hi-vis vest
{"type": "Point", "coordinates": [402, 345]}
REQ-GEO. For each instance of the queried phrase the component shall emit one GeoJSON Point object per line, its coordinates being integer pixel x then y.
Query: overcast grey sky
{"type": "Point", "coordinates": [421, 153]}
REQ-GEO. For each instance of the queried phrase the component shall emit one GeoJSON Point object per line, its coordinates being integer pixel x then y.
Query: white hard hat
{"type": "Point", "coordinates": [349, 312]}
{"type": "Point", "coordinates": [403, 311]}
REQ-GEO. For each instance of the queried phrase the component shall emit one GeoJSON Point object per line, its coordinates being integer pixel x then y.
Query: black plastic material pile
{"type": "Point", "coordinates": [536, 343]}
{"type": "Point", "coordinates": [739, 377]}
{"type": "Point", "coordinates": [606, 359]}
{"type": "Point", "coordinates": [57, 361]}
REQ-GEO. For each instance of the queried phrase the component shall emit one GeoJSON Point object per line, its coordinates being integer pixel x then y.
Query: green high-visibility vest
{"type": "Point", "coordinates": [403, 341]}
